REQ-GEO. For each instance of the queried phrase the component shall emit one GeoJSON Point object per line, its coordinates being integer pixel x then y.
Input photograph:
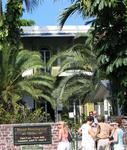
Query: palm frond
{"type": "Point", "coordinates": [13, 85]}
{"type": "Point", "coordinates": [67, 12]}
{"type": "Point", "coordinates": [78, 56]}
{"type": "Point", "coordinates": [78, 59]}
{"type": "Point", "coordinates": [31, 4]}
{"type": "Point", "coordinates": [51, 100]}
{"type": "Point", "coordinates": [28, 60]}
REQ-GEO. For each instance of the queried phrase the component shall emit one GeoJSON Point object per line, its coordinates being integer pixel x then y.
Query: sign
{"type": "Point", "coordinates": [31, 147]}
{"type": "Point", "coordinates": [31, 135]}
{"type": "Point", "coordinates": [71, 114]}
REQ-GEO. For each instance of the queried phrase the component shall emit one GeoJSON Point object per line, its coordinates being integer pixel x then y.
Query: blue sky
{"type": "Point", "coordinates": [47, 13]}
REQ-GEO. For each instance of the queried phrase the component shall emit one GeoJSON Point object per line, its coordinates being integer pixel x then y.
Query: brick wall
{"type": "Point", "coordinates": [6, 138]}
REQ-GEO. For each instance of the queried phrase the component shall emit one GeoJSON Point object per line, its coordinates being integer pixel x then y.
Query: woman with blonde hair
{"type": "Point", "coordinates": [64, 143]}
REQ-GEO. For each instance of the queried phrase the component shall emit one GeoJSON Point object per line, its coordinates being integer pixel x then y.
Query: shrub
{"type": "Point", "coordinates": [23, 115]}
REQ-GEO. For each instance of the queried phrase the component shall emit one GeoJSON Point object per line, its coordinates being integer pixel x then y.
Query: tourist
{"type": "Point", "coordinates": [118, 135]}
{"type": "Point", "coordinates": [91, 113]}
{"type": "Point", "coordinates": [103, 136]}
{"type": "Point", "coordinates": [88, 134]}
{"type": "Point", "coordinates": [95, 117]}
{"type": "Point", "coordinates": [64, 136]}
{"type": "Point", "coordinates": [95, 125]}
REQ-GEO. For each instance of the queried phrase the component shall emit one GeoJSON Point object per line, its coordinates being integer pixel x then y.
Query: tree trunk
{"type": "Point", "coordinates": [1, 10]}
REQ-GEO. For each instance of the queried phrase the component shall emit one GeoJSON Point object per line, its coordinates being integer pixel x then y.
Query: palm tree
{"type": "Point", "coordinates": [109, 34]}
{"type": "Point", "coordinates": [76, 6]}
{"type": "Point", "coordinates": [75, 87]}
{"type": "Point", "coordinates": [1, 11]}
{"type": "Point", "coordinates": [10, 22]}
{"type": "Point", "coordinates": [14, 85]}
{"type": "Point", "coordinates": [81, 61]}
{"type": "Point", "coordinates": [30, 4]}
{"type": "Point", "coordinates": [84, 8]}
{"type": "Point", "coordinates": [91, 10]}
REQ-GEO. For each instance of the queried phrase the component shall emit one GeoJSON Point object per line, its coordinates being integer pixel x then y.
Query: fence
{"type": "Point", "coordinates": [12, 136]}
{"type": "Point", "coordinates": [76, 141]}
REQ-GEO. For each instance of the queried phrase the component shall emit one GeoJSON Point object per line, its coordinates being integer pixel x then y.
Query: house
{"type": "Point", "coordinates": [103, 97]}
{"type": "Point", "coordinates": [50, 40]}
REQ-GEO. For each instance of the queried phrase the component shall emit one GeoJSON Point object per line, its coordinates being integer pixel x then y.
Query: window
{"type": "Point", "coordinates": [46, 55]}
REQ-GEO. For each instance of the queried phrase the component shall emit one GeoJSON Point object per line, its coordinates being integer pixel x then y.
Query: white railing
{"type": "Point", "coordinates": [55, 29]}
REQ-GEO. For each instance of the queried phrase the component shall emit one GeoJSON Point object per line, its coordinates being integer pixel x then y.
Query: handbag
{"type": "Point", "coordinates": [69, 137]}
{"type": "Point", "coordinates": [111, 138]}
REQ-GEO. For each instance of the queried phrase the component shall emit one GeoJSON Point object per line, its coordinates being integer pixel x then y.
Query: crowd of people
{"type": "Point", "coordinates": [97, 134]}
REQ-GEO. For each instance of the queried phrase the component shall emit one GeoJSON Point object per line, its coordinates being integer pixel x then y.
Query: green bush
{"type": "Point", "coordinates": [23, 115]}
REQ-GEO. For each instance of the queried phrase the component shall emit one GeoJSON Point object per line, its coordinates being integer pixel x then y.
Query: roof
{"type": "Point", "coordinates": [106, 84]}
{"type": "Point", "coordinates": [54, 31]}
{"type": "Point", "coordinates": [102, 90]}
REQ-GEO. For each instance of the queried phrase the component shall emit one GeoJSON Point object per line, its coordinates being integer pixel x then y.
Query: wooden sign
{"type": "Point", "coordinates": [31, 135]}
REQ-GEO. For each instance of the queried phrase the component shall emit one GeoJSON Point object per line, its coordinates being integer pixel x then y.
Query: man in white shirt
{"type": "Point", "coordinates": [88, 134]}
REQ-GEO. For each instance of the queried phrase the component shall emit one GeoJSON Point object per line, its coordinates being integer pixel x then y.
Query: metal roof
{"type": "Point", "coordinates": [54, 31]}
{"type": "Point", "coordinates": [106, 84]}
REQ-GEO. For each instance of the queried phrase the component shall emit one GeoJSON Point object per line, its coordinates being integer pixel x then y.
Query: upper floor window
{"type": "Point", "coordinates": [46, 55]}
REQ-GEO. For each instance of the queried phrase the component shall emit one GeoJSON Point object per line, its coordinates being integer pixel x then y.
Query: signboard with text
{"type": "Point", "coordinates": [31, 135]}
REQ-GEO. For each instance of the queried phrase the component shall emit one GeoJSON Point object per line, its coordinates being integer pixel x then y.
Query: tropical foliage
{"type": "Point", "coordinates": [80, 61]}
{"type": "Point", "coordinates": [14, 63]}
{"type": "Point", "coordinates": [25, 22]}
{"type": "Point", "coordinates": [14, 85]}
{"type": "Point", "coordinates": [10, 23]}
{"type": "Point", "coordinates": [24, 115]}
{"type": "Point", "coordinates": [30, 4]}
{"type": "Point", "coordinates": [109, 22]}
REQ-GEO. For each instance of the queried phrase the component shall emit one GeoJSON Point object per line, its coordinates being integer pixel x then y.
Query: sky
{"type": "Point", "coordinates": [47, 13]}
